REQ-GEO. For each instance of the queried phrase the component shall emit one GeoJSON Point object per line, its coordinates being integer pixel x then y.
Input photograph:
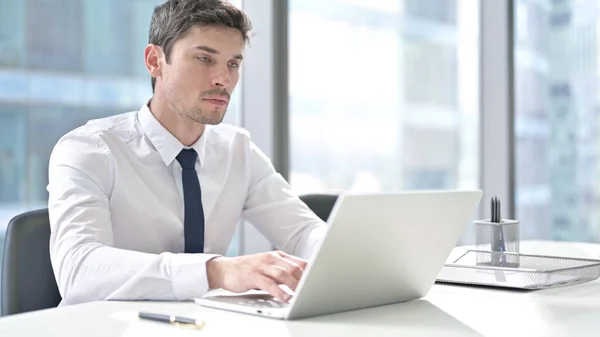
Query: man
{"type": "Point", "coordinates": [143, 205]}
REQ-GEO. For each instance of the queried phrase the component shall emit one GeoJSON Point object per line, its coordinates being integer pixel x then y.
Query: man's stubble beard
{"type": "Point", "coordinates": [197, 116]}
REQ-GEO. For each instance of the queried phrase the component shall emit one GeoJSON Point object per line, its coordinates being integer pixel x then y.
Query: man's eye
{"type": "Point", "coordinates": [233, 65]}
{"type": "Point", "coordinates": [204, 59]}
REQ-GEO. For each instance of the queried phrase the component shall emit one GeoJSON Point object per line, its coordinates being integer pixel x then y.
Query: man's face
{"type": "Point", "coordinates": [203, 71]}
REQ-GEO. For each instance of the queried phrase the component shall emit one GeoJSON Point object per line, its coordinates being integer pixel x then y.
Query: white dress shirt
{"type": "Point", "coordinates": [116, 208]}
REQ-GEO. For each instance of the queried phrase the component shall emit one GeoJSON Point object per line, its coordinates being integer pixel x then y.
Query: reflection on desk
{"type": "Point", "coordinates": [416, 318]}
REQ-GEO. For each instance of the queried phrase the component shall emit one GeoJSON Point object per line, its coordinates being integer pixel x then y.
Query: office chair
{"type": "Point", "coordinates": [28, 281]}
{"type": "Point", "coordinates": [321, 204]}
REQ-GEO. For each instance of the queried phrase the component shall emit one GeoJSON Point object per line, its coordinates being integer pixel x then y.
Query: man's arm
{"type": "Point", "coordinates": [286, 221]}
{"type": "Point", "coordinates": [277, 212]}
{"type": "Point", "coordinates": [86, 265]}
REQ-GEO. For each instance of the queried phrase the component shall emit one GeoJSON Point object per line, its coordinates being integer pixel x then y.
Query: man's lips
{"type": "Point", "coordinates": [217, 101]}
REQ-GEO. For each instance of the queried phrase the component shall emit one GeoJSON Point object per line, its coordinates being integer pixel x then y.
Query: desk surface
{"type": "Point", "coordinates": [446, 311]}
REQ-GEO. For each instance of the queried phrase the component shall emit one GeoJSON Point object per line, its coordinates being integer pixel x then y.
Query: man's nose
{"type": "Point", "coordinates": [222, 78]}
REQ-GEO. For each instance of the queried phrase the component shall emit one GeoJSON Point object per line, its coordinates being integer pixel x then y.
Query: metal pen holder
{"type": "Point", "coordinates": [497, 243]}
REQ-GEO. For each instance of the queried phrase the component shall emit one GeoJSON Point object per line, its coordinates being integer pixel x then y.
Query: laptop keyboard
{"type": "Point", "coordinates": [258, 301]}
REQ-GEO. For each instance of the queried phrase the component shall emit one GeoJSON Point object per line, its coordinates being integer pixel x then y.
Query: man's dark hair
{"type": "Point", "coordinates": [173, 19]}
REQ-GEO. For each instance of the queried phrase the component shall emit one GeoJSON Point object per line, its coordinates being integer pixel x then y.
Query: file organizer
{"type": "Point", "coordinates": [534, 272]}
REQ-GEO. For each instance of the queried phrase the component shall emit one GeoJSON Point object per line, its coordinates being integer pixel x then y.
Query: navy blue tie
{"type": "Point", "coordinates": [193, 223]}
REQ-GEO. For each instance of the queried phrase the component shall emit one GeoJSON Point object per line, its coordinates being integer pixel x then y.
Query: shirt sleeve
{"type": "Point", "coordinates": [277, 212]}
{"type": "Point", "coordinates": [86, 265]}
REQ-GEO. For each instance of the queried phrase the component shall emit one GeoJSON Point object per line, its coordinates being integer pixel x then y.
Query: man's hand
{"type": "Point", "coordinates": [264, 271]}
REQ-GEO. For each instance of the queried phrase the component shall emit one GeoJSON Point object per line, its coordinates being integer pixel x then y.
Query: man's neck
{"type": "Point", "coordinates": [184, 129]}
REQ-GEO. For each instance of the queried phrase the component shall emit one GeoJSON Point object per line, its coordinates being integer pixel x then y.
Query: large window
{"type": "Point", "coordinates": [62, 63]}
{"type": "Point", "coordinates": [384, 95]}
{"type": "Point", "coordinates": [556, 122]}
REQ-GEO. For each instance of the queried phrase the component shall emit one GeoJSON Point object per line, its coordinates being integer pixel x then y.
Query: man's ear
{"type": "Point", "coordinates": [152, 58]}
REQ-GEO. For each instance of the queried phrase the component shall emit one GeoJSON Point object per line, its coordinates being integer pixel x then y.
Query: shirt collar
{"type": "Point", "coordinates": [167, 146]}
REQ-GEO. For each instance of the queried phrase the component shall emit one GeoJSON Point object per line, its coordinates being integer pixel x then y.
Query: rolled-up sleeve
{"type": "Point", "coordinates": [277, 212]}
{"type": "Point", "coordinates": [86, 264]}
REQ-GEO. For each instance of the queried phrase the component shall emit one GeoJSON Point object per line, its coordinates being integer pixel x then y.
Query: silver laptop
{"type": "Point", "coordinates": [379, 249]}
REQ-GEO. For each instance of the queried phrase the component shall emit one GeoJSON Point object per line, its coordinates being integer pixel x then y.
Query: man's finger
{"type": "Point", "coordinates": [291, 266]}
{"type": "Point", "coordinates": [300, 262]}
{"type": "Point", "coordinates": [268, 284]}
{"type": "Point", "coordinates": [281, 276]}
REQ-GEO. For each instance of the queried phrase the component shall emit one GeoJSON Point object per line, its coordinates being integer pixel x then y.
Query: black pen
{"type": "Point", "coordinates": [492, 210]}
{"type": "Point", "coordinates": [175, 320]}
{"type": "Point", "coordinates": [498, 244]}
{"type": "Point", "coordinates": [498, 211]}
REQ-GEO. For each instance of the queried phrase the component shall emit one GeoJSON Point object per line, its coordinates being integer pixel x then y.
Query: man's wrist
{"type": "Point", "coordinates": [214, 272]}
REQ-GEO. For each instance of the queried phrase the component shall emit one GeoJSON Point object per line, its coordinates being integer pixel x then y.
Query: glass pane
{"type": "Point", "coordinates": [384, 95]}
{"type": "Point", "coordinates": [556, 122]}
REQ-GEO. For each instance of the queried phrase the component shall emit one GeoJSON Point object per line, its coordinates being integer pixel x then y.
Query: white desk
{"type": "Point", "coordinates": [445, 311]}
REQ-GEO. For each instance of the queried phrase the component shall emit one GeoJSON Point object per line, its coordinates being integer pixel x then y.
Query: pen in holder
{"type": "Point", "coordinates": [497, 240]}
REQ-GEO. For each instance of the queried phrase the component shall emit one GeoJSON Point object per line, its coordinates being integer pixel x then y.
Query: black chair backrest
{"type": "Point", "coordinates": [28, 281]}
{"type": "Point", "coordinates": [321, 204]}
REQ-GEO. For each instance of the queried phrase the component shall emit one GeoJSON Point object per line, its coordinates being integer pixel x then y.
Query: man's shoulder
{"type": "Point", "coordinates": [121, 126]}
{"type": "Point", "coordinates": [94, 137]}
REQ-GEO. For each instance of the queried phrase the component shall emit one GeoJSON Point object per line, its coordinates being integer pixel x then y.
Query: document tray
{"type": "Point", "coordinates": [534, 272]}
